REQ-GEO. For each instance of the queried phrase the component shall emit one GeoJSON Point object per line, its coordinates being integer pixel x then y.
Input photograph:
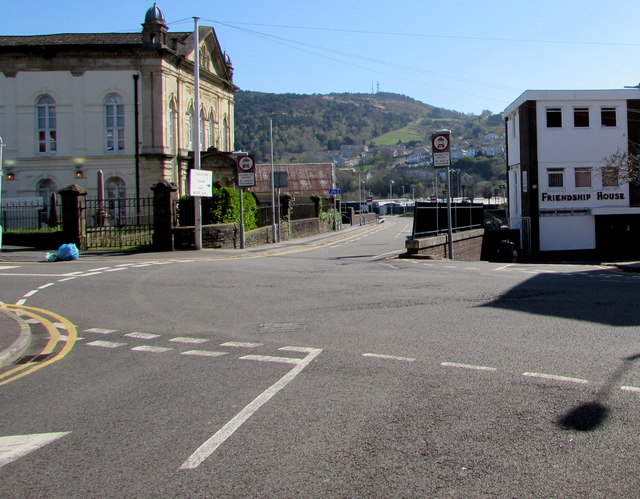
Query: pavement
{"type": "Point", "coordinates": [15, 334]}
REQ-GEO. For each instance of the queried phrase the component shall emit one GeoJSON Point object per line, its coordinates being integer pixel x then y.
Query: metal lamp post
{"type": "Point", "coordinates": [274, 230]}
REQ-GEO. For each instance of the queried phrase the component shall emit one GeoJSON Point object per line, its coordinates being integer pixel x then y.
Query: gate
{"type": "Point", "coordinates": [118, 222]}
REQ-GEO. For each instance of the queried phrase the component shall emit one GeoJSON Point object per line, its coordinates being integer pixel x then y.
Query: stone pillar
{"type": "Point", "coordinates": [164, 215]}
{"type": "Point", "coordinates": [73, 210]}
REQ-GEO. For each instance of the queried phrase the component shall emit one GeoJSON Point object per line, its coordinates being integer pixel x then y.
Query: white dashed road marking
{"type": "Point", "coordinates": [555, 377]}
{"type": "Point", "coordinates": [388, 357]}
{"type": "Point", "coordinates": [468, 366]}
{"type": "Point", "coordinates": [106, 344]}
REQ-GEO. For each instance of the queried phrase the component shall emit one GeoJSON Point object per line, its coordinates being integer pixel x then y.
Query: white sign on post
{"type": "Point", "coordinates": [246, 171]}
{"type": "Point", "coordinates": [201, 183]}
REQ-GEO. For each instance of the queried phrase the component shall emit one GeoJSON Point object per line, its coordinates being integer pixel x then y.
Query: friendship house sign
{"type": "Point", "coordinates": [600, 196]}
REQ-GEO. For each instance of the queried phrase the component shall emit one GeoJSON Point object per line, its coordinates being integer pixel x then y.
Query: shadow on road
{"type": "Point", "coordinates": [583, 296]}
{"type": "Point", "coordinates": [591, 415]}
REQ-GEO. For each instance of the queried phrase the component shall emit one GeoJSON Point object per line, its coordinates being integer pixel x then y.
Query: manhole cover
{"type": "Point", "coordinates": [282, 327]}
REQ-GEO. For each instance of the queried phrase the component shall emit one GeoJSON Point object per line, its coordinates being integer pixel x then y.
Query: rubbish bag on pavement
{"type": "Point", "coordinates": [68, 252]}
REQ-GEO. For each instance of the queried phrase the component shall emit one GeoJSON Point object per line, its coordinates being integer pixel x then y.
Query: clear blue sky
{"type": "Point", "coordinates": [466, 55]}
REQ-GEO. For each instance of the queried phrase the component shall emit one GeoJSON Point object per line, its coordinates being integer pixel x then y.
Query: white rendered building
{"type": "Point", "coordinates": [73, 104]}
{"type": "Point", "coordinates": [563, 193]}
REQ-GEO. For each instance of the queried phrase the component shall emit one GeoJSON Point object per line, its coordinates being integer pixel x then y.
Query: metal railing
{"type": "Point", "coordinates": [118, 223]}
{"type": "Point", "coordinates": [30, 216]}
{"type": "Point", "coordinates": [431, 219]}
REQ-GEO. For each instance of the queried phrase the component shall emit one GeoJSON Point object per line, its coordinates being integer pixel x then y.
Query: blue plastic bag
{"type": "Point", "coordinates": [68, 252]}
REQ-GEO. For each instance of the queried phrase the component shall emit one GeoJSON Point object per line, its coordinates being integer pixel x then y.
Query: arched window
{"type": "Point", "coordinates": [46, 124]}
{"type": "Point", "coordinates": [45, 188]}
{"type": "Point", "coordinates": [225, 134]}
{"type": "Point", "coordinates": [203, 130]}
{"type": "Point", "coordinates": [116, 204]}
{"type": "Point", "coordinates": [212, 129]}
{"type": "Point", "coordinates": [113, 123]}
{"type": "Point", "coordinates": [116, 188]}
{"type": "Point", "coordinates": [190, 126]}
{"type": "Point", "coordinates": [172, 125]}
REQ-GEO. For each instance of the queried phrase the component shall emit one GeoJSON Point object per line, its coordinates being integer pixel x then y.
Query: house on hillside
{"type": "Point", "coordinates": [564, 194]}
{"type": "Point", "coordinates": [72, 104]}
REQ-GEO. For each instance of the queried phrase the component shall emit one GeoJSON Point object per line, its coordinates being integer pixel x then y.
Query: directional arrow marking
{"type": "Point", "coordinates": [17, 446]}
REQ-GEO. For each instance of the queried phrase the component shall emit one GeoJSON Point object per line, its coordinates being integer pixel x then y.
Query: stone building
{"type": "Point", "coordinates": [72, 104]}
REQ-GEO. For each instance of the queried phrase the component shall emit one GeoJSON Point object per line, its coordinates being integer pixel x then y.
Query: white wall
{"type": "Point", "coordinates": [567, 233]}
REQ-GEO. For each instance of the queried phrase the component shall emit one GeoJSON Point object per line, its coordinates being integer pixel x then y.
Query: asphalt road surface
{"type": "Point", "coordinates": [325, 370]}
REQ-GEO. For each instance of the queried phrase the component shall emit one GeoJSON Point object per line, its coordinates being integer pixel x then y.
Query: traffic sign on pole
{"type": "Point", "coordinates": [441, 148]}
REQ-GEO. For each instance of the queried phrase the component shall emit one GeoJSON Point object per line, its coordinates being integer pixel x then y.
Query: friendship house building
{"type": "Point", "coordinates": [75, 103]}
{"type": "Point", "coordinates": [564, 192]}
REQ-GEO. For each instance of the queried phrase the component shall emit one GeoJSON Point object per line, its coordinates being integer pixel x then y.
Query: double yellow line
{"type": "Point", "coordinates": [47, 320]}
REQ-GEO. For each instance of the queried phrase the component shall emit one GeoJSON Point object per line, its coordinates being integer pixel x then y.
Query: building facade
{"type": "Point", "coordinates": [123, 103]}
{"type": "Point", "coordinates": [565, 193]}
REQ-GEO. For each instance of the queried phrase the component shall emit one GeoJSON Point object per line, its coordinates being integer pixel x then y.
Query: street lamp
{"type": "Point", "coordinates": [391, 189]}
{"type": "Point", "coordinates": [274, 230]}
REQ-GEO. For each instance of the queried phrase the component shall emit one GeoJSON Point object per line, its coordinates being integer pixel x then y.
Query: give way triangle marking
{"type": "Point", "coordinates": [17, 446]}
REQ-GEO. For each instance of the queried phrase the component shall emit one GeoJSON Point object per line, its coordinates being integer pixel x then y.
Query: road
{"type": "Point", "coordinates": [332, 370]}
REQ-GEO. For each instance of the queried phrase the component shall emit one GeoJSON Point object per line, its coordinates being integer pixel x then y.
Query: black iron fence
{"type": "Point", "coordinates": [118, 223]}
{"type": "Point", "coordinates": [431, 219]}
{"type": "Point", "coordinates": [30, 216]}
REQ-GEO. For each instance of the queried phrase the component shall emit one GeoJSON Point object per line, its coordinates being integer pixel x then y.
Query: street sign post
{"type": "Point", "coordinates": [440, 145]}
{"type": "Point", "coordinates": [441, 151]}
{"type": "Point", "coordinates": [201, 183]}
{"type": "Point", "coordinates": [246, 171]}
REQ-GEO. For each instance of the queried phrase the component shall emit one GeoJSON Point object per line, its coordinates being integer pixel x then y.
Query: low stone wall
{"type": "Point", "coordinates": [467, 246]}
{"type": "Point", "coordinates": [227, 236]}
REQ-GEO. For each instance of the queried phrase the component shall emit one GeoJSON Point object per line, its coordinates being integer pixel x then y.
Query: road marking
{"type": "Point", "coordinates": [555, 377]}
{"type": "Point", "coordinates": [504, 267]}
{"type": "Point", "coordinates": [142, 336]}
{"type": "Point", "coordinates": [17, 446]}
{"type": "Point", "coordinates": [115, 270]}
{"type": "Point", "coordinates": [204, 353]}
{"type": "Point", "coordinates": [209, 447]}
{"type": "Point", "coordinates": [630, 389]}
{"type": "Point", "coordinates": [388, 357]}
{"type": "Point", "coordinates": [271, 358]}
{"type": "Point", "coordinates": [54, 336]}
{"type": "Point", "coordinates": [98, 270]}
{"type": "Point", "coordinates": [183, 339]}
{"type": "Point", "coordinates": [98, 330]}
{"type": "Point", "coordinates": [6, 267]}
{"type": "Point", "coordinates": [468, 366]}
{"type": "Point", "coordinates": [30, 293]}
{"type": "Point", "coordinates": [105, 344]}
{"type": "Point", "coordinates": [68, 279]}
{"type": "Point", "coordinates": [240, 344]}
{"type": "Point", "coordinates": [148, 348]}
{"type": "Point", "coordinates": [44, 286]}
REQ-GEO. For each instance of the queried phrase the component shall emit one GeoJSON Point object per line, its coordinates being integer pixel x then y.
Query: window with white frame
{"type": "Point", "coordinates": [172, 118]}
{"type": "Point", "coordinates": [190, 126]}
{"type": "Point", "coordinates": [225, 133]}
{"type": "Point", "coordinates": [203, 130]}
{"type": "Point", "coordinates": [610, 176]}
{"type": "Point", "coordinates": [46, 124]}
{"type": "Point", "coordinates": [583, 177]}
{"type": "Point", "coordinates": [580, 117]}
{"type": "Point", "coordinates": [555, 177]}
{"type": "Point", "coordinates": [113, 123]}
{"type": "Point", "coordinates": [608, 116]}
{"type": "Point", "coordinates": [554, 117]}
{"type": "Point", "coordinates": [212, 129]}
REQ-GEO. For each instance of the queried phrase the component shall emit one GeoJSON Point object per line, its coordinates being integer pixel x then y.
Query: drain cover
{"type": "Point", "coordinates": [282, 327]}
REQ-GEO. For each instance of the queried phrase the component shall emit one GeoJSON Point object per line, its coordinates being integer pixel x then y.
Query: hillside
{"type": "Point", "coordinates": [314, 123]}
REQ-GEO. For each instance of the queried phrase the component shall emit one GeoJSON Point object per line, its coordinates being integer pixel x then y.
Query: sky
{"type": "Point", "coordinates": [465, 55]}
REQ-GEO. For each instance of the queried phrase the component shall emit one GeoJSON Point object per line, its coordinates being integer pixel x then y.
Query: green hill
{"type": "Point", "coordinates": [314, 123]}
